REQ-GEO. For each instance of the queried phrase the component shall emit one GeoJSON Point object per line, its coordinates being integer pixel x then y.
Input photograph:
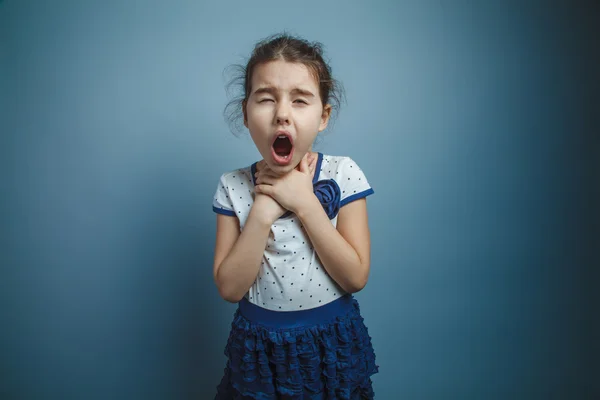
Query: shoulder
{"type": "Point", "coordinates": [339, 163]}
{"type": "Point", "coordinates": [348, 175]}
{"type": "Point", "coordinates": [233, 189]}
{"type": "Point", "coordinates": [235, 179]}
{"type": "Point", "coordinates": [341, 168]}
{"type": "Point", "coordinates": [236, 175]}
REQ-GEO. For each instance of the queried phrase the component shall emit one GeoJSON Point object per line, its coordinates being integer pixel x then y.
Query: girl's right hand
{"type": "Point", "coordinates": [267, 209]}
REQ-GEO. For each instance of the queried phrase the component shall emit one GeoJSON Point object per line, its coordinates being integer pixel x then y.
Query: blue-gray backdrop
{"type": "Point", "coordinates": [476, 123]}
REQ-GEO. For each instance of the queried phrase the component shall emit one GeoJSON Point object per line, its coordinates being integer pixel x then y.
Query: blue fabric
{"type": "Point", "coordinates": [356, 196]}
{"type": "Point", "coordinates": [223, 211]}
{"type": "Point", "coordinates": [295, 319]}
{"type": "Point", "coordinates": [328, 192]}
{"type": "Point", "coordinates": [321, 353]}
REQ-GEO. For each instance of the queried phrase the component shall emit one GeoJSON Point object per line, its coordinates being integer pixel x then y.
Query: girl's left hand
{"type": "Point", "coordinates": [291, 190]}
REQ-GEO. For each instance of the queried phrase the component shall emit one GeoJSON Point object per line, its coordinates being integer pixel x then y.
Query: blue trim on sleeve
{"type": "Point", "coordinates": [223, 211]}
{"type": "Point", "coordinates": [356, 196]}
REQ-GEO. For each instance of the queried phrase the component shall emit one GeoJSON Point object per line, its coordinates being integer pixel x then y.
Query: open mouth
{"type": "Point", "coordinates": [282, 149]}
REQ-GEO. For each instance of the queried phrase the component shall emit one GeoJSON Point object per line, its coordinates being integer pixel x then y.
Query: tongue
{"type": "Point", "coordinates": [282, 147]}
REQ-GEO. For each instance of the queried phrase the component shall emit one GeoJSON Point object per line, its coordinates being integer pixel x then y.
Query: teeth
{"type": "Point", "coordinates": [281, 136]}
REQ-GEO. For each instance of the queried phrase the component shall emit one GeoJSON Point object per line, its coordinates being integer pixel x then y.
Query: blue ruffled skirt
{"type": "Point", "coordinates": [320, 353]}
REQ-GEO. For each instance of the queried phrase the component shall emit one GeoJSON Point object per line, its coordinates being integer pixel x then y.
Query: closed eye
{"type": "Point", "coordinates": [301, 101]}
{"type": "Point", "coordinates": [265, 100]}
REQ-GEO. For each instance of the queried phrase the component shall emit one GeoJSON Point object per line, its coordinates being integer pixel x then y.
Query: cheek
{"type": "Point", "coordinates": [256, 116]}
{"type": "Point", "coordinates": [311, 122]}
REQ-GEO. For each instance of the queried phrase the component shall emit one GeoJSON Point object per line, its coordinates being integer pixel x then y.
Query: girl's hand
{"type": "Point", "coordinates": [291, 190]}
{"type": "Point", "coordinates": [266, 208]}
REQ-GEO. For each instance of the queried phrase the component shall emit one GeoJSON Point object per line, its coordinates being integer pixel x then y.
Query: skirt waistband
{"type": "Point", "coordinates": [296, 319]}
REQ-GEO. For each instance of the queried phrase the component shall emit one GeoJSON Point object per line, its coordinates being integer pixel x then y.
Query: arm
{"type": "Point", "coordinates": [345, 252]}
{"type": "Point", "coordinates": [238, 255]}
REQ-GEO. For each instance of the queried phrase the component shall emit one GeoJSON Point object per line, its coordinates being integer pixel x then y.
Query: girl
{"type": "Point", "coordinates": [293, 240]}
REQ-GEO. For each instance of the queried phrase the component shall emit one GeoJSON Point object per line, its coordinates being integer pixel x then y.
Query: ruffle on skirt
{"type": "Point", "coordinates": [332, 360]}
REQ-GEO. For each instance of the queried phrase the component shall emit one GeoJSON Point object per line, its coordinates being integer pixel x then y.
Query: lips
{"type": "Point", "coordinates": [282, 148]}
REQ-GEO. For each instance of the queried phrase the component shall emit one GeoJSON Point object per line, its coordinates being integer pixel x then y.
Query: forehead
{"type": "Point", "coordinates": [283, 75]}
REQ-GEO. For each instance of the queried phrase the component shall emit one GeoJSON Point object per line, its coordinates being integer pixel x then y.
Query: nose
{"type": "Point", "coordinates": [282, 114]}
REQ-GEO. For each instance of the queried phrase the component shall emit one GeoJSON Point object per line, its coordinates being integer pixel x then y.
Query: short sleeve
{"type": "Point", "coordinates": [352, 182]}
{"type": "Point", "coordinates": [222, 201]}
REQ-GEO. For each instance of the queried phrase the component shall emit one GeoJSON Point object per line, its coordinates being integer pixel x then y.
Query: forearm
{"type": "Point", "coordinates": [239, 269]}
{"type": "Point", "coordinates": [339, 258]}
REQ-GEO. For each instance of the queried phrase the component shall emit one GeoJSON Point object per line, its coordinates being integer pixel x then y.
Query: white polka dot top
{"type": "Point", "coordinates": [291, 276]}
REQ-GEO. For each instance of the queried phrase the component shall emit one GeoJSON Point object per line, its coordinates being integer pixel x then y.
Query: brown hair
{"type": "Point", "coordinates": [288, 48]}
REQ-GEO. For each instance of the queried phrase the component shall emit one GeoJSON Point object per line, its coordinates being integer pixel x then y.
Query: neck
{"type": "Point", "coordinates": [261, 163]}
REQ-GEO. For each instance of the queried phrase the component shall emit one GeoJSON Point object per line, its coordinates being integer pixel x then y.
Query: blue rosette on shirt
{"type": "Point", "coordinates": [328, 192]}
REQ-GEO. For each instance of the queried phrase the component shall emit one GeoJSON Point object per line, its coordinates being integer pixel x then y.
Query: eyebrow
{"type": "Point", "coordinates": [271, 90]}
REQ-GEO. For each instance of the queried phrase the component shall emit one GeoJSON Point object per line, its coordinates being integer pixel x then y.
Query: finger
{"type": "Point", "coordinates": [309, 157]}
{"type": "Point", "coordinates": [264, 189]}
{"type": "Point", "coordinates": [304, 164]}
{"type": "Point", "coordinates": [263, 174]}
{"type": "Point", "coordinates": [263, 169]}
{"type": "Point", "coordinates": [313, 163]}
{"type": "Point", "coordinates": [304, 157]}
{"type": "Point", "coordinates": [266, 179]}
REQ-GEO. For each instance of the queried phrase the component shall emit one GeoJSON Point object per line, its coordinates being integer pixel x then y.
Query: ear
{"type": "Point", "coordinates": [325, 117]}
{"type": "Point", "coordinates": [244, 103]}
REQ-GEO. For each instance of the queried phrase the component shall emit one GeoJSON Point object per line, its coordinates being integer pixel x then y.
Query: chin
{"type": "Point", "coordinates": [282, 169]}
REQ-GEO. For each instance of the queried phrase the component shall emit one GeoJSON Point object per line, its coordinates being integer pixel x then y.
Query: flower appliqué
{"type": "Point", "coordinates": [328, 192]}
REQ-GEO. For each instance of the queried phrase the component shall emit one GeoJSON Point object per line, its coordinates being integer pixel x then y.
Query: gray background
{"type": "Point", "coordinates": [476, 123]}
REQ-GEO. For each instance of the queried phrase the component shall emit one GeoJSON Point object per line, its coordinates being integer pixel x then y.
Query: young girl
{"type": "Point", "coordinates": [293, 240]}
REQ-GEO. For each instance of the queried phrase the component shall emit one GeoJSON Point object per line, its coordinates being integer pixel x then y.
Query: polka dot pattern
{"type": "Point", "coordinates": [291, 276]}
